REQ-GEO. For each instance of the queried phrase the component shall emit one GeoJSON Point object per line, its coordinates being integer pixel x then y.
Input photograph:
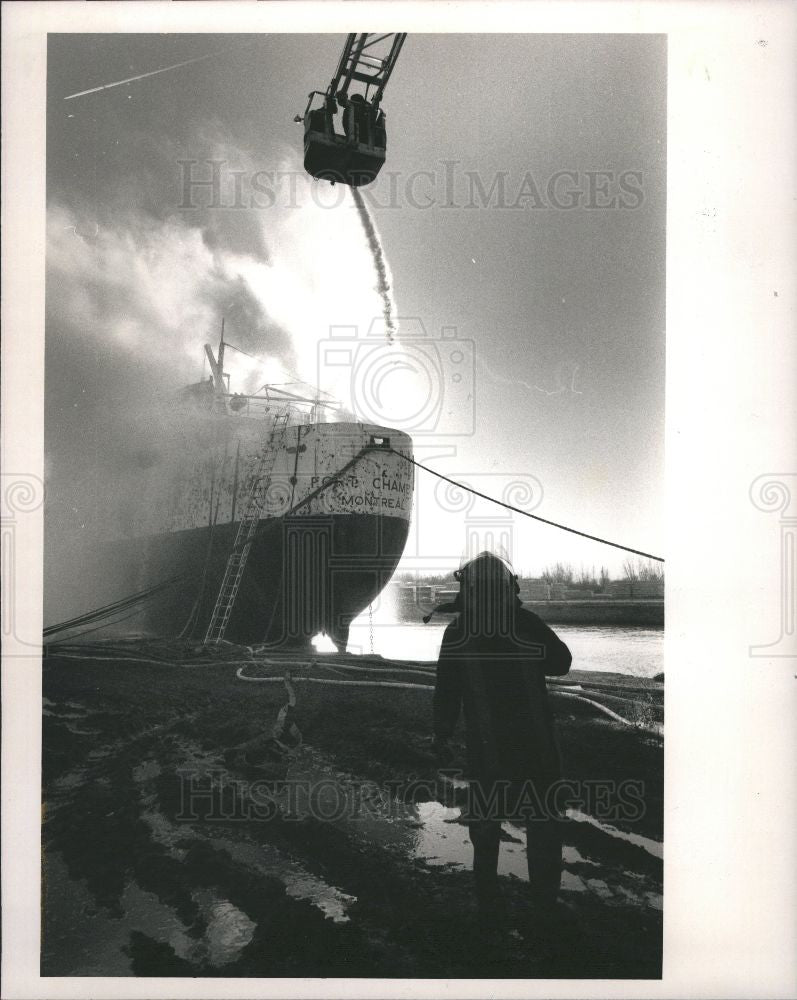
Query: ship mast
{"type": "Point", "coordinates": [217, 369]}
{"type": "Point", "coordinates": [274, 394]}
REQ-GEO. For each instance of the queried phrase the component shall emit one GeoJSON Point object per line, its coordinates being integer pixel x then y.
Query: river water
{"type": "Point", "coordinates": [609, 648]}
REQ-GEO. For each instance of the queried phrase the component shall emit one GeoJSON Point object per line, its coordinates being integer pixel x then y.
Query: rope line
{"type": "Point", "coordinates": [525, 513]}
{"type": "Point", "coordinates": [125, 603]}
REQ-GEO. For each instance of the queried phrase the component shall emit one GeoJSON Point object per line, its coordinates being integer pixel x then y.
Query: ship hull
{"type": "Point", "coordinates": [332, 506]}
{"type": "Point", "coordinates": [303, 575]}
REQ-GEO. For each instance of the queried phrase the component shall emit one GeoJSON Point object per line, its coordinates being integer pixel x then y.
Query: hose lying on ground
{"type": "Point", "coordinates": [554, 690]}
{"type": "Point", "coordinates": [287, 665]}
{"type": "Point", "coordinates": [329, 680]}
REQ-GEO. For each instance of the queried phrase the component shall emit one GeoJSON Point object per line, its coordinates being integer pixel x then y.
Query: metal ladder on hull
{"type": "Point", "coordinates": [236, 563]}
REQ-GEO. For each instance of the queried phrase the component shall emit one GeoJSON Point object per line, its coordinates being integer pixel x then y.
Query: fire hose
{"type": "Point", "coordinates": [407, 685]}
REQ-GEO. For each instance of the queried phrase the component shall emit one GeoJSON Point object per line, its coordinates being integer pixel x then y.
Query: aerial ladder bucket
{"type": "Point", "coordinates": [351, 148]}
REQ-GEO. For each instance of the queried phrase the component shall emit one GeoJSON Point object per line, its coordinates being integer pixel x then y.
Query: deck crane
{"type": "Point", "coordinates": [351, 149]}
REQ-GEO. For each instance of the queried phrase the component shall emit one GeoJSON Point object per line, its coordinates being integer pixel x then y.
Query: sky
{"type": "Point", "coordinates": [521, 211]}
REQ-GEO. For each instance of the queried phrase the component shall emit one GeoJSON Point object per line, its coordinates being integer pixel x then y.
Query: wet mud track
{"type": "Point", "coordinates": [159, 859]}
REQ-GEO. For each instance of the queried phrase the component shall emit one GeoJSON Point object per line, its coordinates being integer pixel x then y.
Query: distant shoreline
{"type": "Point", "coordinates": [601, 611]}
{"type": "Point", "coordinates": [647, 612]}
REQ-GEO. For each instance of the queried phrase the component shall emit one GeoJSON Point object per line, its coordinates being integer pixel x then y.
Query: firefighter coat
{"type": "Point", "coordinates": [499, 680]}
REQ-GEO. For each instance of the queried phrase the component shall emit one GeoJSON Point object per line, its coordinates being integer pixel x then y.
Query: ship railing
{"type": "Point", "coordinates": [298, 411]}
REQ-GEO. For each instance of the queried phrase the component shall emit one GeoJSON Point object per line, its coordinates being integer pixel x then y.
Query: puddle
{"type": "Point", "coordinates": [263, 859]}
{"type": "Point", "coordinates": [572, 856]}
{"type": "Point", "coordinates": [299, 883]}
{"type": "Point", "coordinates": [600, 888]}
{"type": "Point", "coordinates": [145, 913]}
{"type": "Point", "coordinates": [228, 932]}
{"type": "Point", "coordinates": [440, 841]}
{"type": "Point", "coordinates": [82, 939]}
{"type": "Point", "coordinates": [428, 832]}
{"type": "Point", "coordinates": [572, 882]}
{"type": "Point", "coordinates": [653, 847]}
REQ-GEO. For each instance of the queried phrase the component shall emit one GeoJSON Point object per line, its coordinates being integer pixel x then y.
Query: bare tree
{"type": "Point", "coordinates": [643, 569]}
{"type": "Point", "coordinates": [650, 570]}
{"type": "Point", "coordinates": [558, 573]}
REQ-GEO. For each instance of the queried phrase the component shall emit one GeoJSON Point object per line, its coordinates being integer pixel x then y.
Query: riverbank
{"type": "Point", "coordinates": [140, 880]}
{"type": "Point", "coordinates": [601, 611]}
{"type": "Point", "coordinates": [643, 612]}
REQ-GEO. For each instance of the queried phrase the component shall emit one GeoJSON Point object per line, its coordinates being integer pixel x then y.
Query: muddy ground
{"type": "Point", "coordinates": [167, 855]}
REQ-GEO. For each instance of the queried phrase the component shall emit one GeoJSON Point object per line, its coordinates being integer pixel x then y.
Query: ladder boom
{"type": "Point", "coordinates": [371, 68]}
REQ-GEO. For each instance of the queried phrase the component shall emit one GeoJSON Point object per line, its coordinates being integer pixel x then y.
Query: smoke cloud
{"type": "Point", "coordinates": [135, 288]}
